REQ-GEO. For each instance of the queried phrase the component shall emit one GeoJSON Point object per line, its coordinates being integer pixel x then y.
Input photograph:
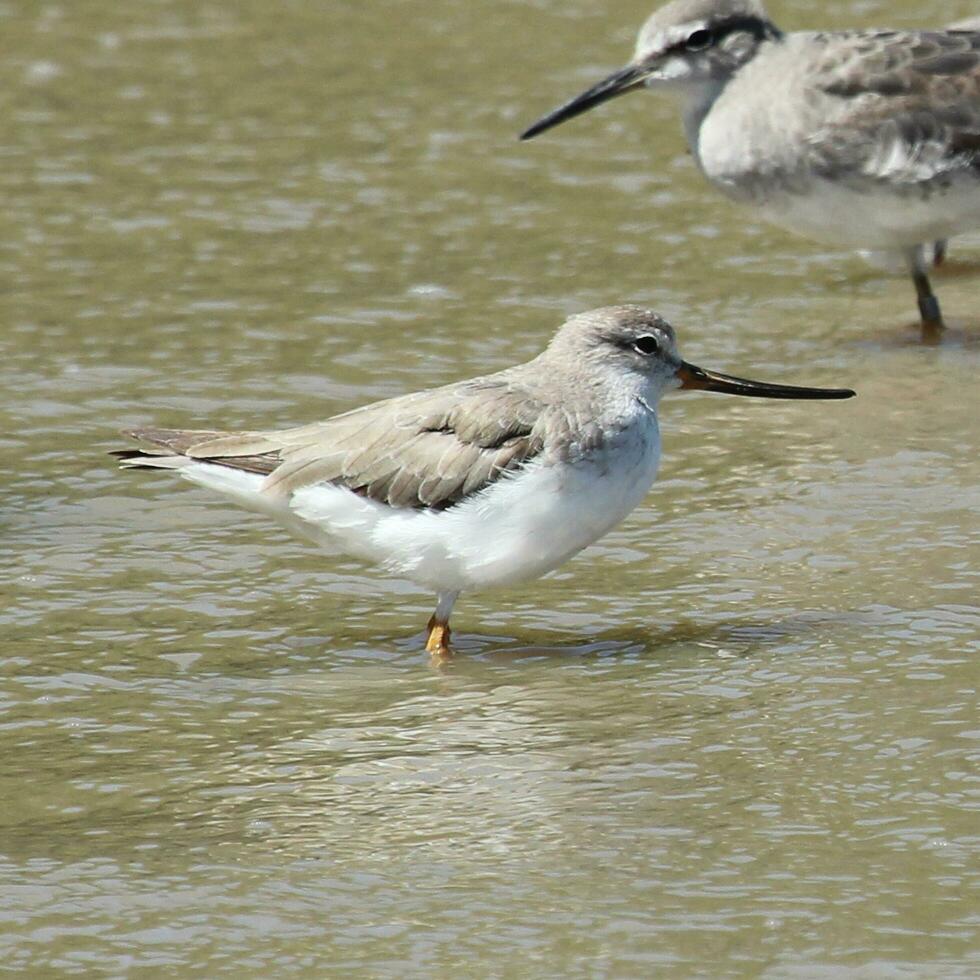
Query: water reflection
{"type": "Point", "coordinates": [735, 735]}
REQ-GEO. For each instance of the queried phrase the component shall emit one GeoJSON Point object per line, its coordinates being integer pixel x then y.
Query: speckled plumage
{"type": "Point", "coordinates": [864, 108]}
{"type": "Point", "coordinates": [867, 138]}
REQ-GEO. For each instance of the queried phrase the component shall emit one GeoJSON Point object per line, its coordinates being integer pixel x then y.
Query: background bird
{"type": "Point", "coordinates": [866, 138]}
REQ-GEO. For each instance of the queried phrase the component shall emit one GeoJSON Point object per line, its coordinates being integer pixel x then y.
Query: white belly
{"type": "Point", "coordinates": [874, 218]}
{"type": "Point", "coordinates": [519, 528]}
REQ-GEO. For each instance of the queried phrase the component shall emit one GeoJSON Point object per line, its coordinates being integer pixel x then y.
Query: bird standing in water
{"type": "Point", "coordinates": [864, 138]}
{"type": "Point", "coordinates": [485, 482]}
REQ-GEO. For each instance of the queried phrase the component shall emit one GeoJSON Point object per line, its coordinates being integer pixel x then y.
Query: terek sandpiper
{"type": "Point", "coordinates": [485, 482]}
{"type": "Point", "coordinates": [866, 138]}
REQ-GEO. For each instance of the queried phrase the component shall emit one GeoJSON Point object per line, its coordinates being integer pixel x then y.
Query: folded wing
{"type": "Point", "coordinates": [906, 106]}
{"type": "Point", "coordinates": [426, 450]}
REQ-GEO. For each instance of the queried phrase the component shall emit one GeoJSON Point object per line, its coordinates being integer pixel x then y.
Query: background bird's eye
{"type": "Point", "coordinates": [646, 345]}
{"type": "Point", "coordinates": [698, 40]}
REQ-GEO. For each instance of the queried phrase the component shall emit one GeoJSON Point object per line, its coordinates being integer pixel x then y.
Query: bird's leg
{"type": "Point", "coordinates": [437, 643]}
{"type": "Point", "coordinates": [439, 636]}
{"type": "Point", "coordinates": [939, 252]}
{"type": "Point", "coordinates": [932, 317]}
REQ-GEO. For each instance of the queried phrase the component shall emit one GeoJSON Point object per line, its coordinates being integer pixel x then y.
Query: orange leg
{"type": "Point", "coordinates": [437, 643]}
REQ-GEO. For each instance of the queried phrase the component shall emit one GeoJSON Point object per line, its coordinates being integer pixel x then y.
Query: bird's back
{"type": "Point", "coordinates": [856, 121]}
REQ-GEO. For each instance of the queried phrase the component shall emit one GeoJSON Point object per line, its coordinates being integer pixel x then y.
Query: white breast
{"type": "Point", "coordinates": [751, 139]}
{"type": "Point", "coordinates": [519, 528]}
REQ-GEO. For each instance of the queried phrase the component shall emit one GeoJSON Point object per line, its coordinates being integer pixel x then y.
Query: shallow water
{"type": "Point", "coordinates": [737, 737]}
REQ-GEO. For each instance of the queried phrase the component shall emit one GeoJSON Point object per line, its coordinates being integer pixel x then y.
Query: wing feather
{"type": "Point", "coordinates": [425, 450]}
{"type": "Point", "coordinates": [905, 106]}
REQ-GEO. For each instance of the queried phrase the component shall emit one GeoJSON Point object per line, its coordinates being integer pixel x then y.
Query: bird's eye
{"type": "Point", "coordinates": [646, 345]}
{"type": "Point", "coordinates": [699, 40]}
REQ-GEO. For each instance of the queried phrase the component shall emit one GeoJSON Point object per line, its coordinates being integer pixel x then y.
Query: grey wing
{"type": "Point", "coordinates": [901, 106]}
{"type": "Point", "coordinates": [427, 450]}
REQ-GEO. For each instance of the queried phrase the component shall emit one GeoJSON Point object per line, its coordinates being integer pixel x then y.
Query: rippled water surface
{"type": "Point", "coordinates": [737, 737]}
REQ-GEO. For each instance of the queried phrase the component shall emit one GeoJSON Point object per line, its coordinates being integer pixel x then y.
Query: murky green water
{"type": "Point", "coordinates": [738, 737]}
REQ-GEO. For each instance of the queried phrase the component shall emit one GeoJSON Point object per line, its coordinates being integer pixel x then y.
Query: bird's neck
{"type": "Point", "coordinates": [699, 96]}
{"type": "Point", "coordinates": [696, 102]}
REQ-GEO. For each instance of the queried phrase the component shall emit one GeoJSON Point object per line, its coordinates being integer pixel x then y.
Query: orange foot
{"type": "Point", "coordinates": [438, 642]}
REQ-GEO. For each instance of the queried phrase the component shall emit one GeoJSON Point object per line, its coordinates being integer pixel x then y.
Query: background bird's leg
{"type": "Point", "coordinates": [439, 632]}
{"type": "Point", "coordinates": [939, 252]}
{"type": "Point", "coordinates": [932, 317]}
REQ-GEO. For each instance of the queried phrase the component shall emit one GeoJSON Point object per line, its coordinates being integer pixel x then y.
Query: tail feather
{"type": "Point", "coordinates": [176, 440]}
{"type": "Point", "coordinates": [177, 448]}
{"type": "Point", "coordinates": [136, 459]}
